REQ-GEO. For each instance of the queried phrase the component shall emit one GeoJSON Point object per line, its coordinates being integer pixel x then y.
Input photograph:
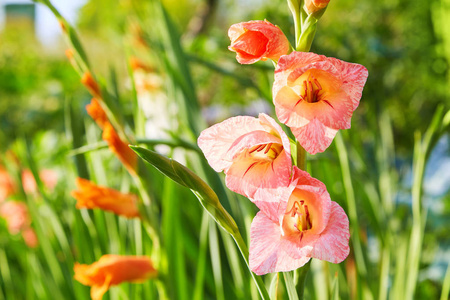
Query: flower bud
{"type": "Point", "coordinates": [257, 40]}
{"type": "Point", "coordinates": [315, 5]}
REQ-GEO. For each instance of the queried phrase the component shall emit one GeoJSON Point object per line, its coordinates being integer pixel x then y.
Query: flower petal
{"type": "Point", "coordinates": [333, 245]}
{"type": "Point", "coordinates": [217, 140]}
{"type": "Point", "coordinates": [269, 251]}
{"type": "Point", "coordinates": [246, 176]}
{"type": "Point", "coordinates": [314, 137]}
{"type": "Point", "coordinates": [354, 77]}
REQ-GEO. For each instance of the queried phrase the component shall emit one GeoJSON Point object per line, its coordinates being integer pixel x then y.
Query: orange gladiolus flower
{"type": "Point", "coordinates": [90, 195]}
{"type": "Point", "coordinates": [257, 40]}
{"type": "Point", "coordinates": [121, 149]}
{"type": "Point", "coordinates": [95, 110]}
{"type": "Point", "coordinates": [315, 5]}
{"type": "Point", "coordinates": [89, 82]}
{"type": "Point", "coordinates": [112, 270]}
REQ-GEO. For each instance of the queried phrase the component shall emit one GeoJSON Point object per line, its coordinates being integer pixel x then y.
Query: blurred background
{"type": "Point", "coordinates": [405, 45]}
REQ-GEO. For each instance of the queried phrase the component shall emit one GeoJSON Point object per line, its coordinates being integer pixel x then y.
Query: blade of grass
{"type": "Point", "coordinates": [216, 261]}
{"type": "Point", "coordinates": [201, 262]}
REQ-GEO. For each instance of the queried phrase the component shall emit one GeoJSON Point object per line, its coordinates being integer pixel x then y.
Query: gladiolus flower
{"type": "Point", "coordinates": [16, 215]}
{"type": "Point", "coordinates": [30, 238]}
{"type": "Point", "coordinates": [112, 270]}
{"type": "Point", "coordinates": [254, 153]}
{"type": "Point", "coordinates": [110, 136]}
{"type": "Point", "coordinates": [119, 148]}
{"type": "Point", "coordinates": [95, 110]}
{"type": "Point", "coordinates": [90, 196]}
{"type": "Point", "coordinates": [89, 82]}
{"type": "Point", "coordinates": [257, 40]}
{"type": "Point", "coordinates": [315, 5]}
{"type": "Point", "coordinates": [302, 224]}
{"type": "Point", "coordinates": [6, 185]}
{"type": "Point", "coordinates": [48, 177]}
{"type": "Point", "coordinates": [316, 96]}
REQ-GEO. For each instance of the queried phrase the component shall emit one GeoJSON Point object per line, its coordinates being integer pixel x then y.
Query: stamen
{"type": "Point", "coordinates": [257, 148]}
{"type": "Point", "coordinates": [268, 148]}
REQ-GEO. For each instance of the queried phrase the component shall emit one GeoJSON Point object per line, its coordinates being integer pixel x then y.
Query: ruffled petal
{"type": "Point", "coordinates": [333, 245]}
{"type": "Point", "coordinates": [269, 251]}
{"type": "Point", "coordinates": [246, 176]}
{"type": "Point", "coordinates": [353, 76]}
{"type": "Point", "coordinates": [314, 137]}
{"type": "Point", "coordinates": [217, 140]}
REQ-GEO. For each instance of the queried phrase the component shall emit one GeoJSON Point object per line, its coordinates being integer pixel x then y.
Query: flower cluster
{"type": "Point", "coordinates": [314, 96]}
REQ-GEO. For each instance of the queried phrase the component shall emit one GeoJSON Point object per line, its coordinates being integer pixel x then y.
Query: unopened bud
{"type": "Point", "coordinates": [315, 5]}
{"type": "Point", "coordinates": [88, 81]}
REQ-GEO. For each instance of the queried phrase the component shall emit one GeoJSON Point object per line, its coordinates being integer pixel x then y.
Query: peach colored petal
{"type": "Point", "coordinates": [254, 153]}
{"type": "Point", "coordinates": [247, 176]}
{"type": "Point", "coordinates": [314, 137]}
{"type": "Point", "coordinates": [217, 139]}
{"type": "Point", "coordinates": [269, 252]}
{"type": "Point", "coordinates": [316, 96]}
{"type": "Point", "coordinates": [354, 77]}
{"type": "Point", "coordinates": [333, 245]}
{"type": "Point", "coordinates": [257, 40]}
{"type": "Point", "coordinates": [315, 5]}
{"type": "Point", "coordinates": [301, 224]}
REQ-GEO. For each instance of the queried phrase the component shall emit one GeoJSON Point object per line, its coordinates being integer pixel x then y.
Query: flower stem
{"type": "Point", "coordinates": [257, 279]}
{"type": "Point", "coordinates": [302, 273]}
{"type": "Point", "coordinates": [301, 157]}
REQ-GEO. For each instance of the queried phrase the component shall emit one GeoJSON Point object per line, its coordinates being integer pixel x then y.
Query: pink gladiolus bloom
{"type": "Point", "coordinates": [304, 223]}
{"type": "Point", "coordinates": [254, 153]}
{"type": "Point", "coordinates": [16, 215]}
{"type": "Point", "coordinates": [48, 177]}
{"type": "Point", "coordinates": [316, 96]}
{"type": "Point", "coordinates": [257, 40]}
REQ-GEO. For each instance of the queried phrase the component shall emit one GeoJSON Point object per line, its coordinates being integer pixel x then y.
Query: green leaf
{"type": "Point", "coordinates": [185, 177]}
{"type": "Point", "coordinates": [290, 286]}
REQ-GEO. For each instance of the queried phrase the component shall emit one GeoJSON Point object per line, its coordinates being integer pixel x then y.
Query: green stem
{"type": "Point", "coordinates": [301, 157]}
{"type": "Point", "coordinates": [301, 275]}
{"type": "Point", "coordinates": [244, 251]}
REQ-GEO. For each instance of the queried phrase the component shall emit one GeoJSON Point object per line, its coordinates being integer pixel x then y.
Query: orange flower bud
{"type": "Point", "coordinates": [315, 5]}
{"type": "Point", "coordinates": [112, 270]}
{"type": "Point", "coordinates": [257, 40]}
{"type": "Point", "coordinates": [90, 195]}
{"type": "Point", "coordinates": [137, 64]}
{"type": "Point", "coordinates": [69, 53]}
{"type": "Point", "coordinates": [88, 81]}
{"type": "Point", "coordinates": [119, 148]}
{"type": "Point", "coordinates": [62, 25]}
{"type": "Point", "coordinates": [97, 113]}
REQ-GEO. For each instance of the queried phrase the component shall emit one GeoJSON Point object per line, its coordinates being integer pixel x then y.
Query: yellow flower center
{"type": "Point", "coordinates": [297, 218]}
{"type": "Point", "coordinates": [266, 151]}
